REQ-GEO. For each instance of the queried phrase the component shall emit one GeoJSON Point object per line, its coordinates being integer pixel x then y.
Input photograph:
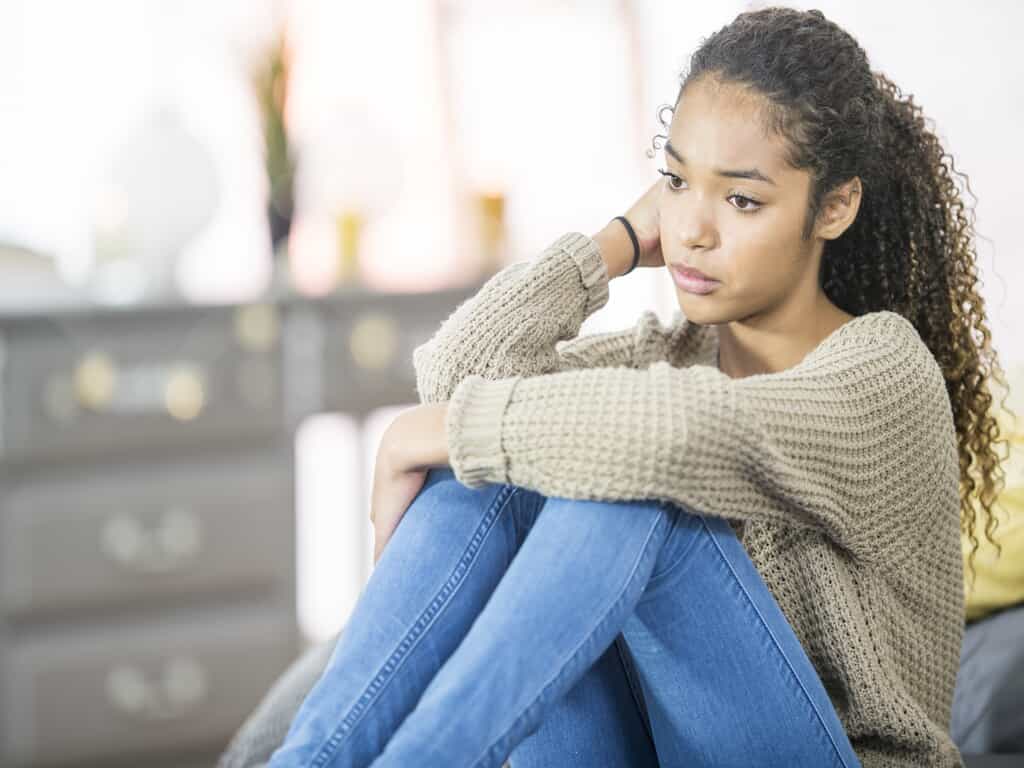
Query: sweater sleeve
{"type": "Point", "coordinates": [856, 441]}
{"type": "Point", "coordinates": [524, 321]}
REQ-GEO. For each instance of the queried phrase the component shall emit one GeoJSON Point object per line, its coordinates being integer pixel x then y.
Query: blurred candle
{"type": "Point", "coordinates": [490, 208]}
{"type": "Point", "coordinates": [349, 227]}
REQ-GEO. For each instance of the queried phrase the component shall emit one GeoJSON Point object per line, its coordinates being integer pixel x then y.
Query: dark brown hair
{"type": "Point", "coordinates": [910, 249]}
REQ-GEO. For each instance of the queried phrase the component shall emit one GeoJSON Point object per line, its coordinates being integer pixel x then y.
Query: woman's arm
{"type": "Point", "coordinates": [512, 326]}
{"type": "Point", "coordinates": [525, 320]}
{"type": "Point", "coordinates": [857, 441]}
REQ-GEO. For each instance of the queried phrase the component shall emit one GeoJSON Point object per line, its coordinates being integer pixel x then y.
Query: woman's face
{"type": "Point", "coordinates": [734, 209]}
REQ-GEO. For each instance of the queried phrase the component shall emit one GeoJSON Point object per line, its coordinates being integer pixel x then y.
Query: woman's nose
{"type": "Point", "coordinates": [694, 227]}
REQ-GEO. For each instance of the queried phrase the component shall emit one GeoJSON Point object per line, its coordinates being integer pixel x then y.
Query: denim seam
{"type": "Point", "coordinates": [659, 577]}
{"type": "Point", "coordinates": [645, 553]}
{"type": "Point", "coordinates": [637, 692]}
{"type": "Point", "coordinates": [635, 686]}
{"type": "Point", "coordinates": [520, 530]}
{"type": "Point", "coordinates": [778, 646]}
{"type": "Point", "coordinates": [380, 681]}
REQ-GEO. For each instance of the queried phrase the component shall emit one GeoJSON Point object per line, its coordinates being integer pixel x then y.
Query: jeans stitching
{"type": "Point", "coordinates": [778, 646]}
{"type": "Point", "coordinates": [429, 614]}
{"type": "Point", "coordinates": [645, 553]}
{"type": "Point", "coordinates": [636, 690]}
{"type": "Point", "coordinates": [657, 578]}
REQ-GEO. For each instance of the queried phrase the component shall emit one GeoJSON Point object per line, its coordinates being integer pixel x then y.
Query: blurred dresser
{"type": "Point", "coordinates": [147, 520]}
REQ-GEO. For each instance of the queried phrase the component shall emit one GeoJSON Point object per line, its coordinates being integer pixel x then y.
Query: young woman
{"type": "Point", "coordinates": [734, 541]}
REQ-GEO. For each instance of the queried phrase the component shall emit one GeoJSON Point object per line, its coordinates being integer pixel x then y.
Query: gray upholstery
{"type": "Point", "coordinates": [987, 711]}
{"type": "Point", "coordinates": [266, 727]}
{"type": "Point", "coordinates": [993, 761]}
{"type": "Point", "coordinates": [987, 716]}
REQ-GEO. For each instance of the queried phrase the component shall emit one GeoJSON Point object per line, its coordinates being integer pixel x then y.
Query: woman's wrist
{"type": "Point", "coordinates": [616, 248]}
{"type": "Point", "coordinates": [417, 438]}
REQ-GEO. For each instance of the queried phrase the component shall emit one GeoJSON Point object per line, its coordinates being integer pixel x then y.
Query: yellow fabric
{"type": "Point", "coordinates": [1000, 577]}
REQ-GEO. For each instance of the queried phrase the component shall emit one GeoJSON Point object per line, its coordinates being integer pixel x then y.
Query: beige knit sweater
{"type": "Point", "coordinates": [840, 474]}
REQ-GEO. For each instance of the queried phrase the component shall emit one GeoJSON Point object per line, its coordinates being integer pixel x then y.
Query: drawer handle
{"type": "Point", "coordinates": [182, 686]}
{"type": "Point", "coordinates": [95, 381]}
{"type": "Point", "coordinates": [171, 545]}
{"type": "Point", "coordinates": [373, 341]}
{"type": "Point", "coordinates": [179, 388]}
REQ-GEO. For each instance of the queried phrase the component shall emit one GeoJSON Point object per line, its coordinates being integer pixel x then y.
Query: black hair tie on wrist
{"type": "Point", "coordinates": [636, 243]}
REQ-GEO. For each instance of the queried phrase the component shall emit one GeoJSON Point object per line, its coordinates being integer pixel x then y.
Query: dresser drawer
{"type": "Point", "coordinates": [123, 692]}
{"type": "Point", "coordinates": [139, 531]}
{"type": "Point", "coordinates": [368, 348]}
{"type": "Point", "coordinates": [76, 384]}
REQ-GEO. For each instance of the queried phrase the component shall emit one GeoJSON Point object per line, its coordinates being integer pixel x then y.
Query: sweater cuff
{"type": "Point", "coordinates": [473, 430]}
{"type": "Point", "coordinates": [593, 271]}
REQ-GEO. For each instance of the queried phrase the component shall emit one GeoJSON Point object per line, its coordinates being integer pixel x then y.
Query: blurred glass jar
{"type": "Point", "coordinates": [161, 189]}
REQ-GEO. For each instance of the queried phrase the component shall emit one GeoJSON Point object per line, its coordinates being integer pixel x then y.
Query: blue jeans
{"type": "Point", "coordinates": [500, 623]}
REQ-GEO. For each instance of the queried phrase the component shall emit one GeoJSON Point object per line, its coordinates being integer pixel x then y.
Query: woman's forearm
{"type": "Point", "coordinates": [616, 249]}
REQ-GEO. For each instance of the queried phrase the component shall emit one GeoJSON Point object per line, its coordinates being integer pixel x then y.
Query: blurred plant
{"type": "Point", "coordinates": [270, 82]}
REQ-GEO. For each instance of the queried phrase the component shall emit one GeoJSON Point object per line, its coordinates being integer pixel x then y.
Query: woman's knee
{"type": "Point", "coordinates": [626, 533]}
{"type": "Point", "coordinates": [511, 507]}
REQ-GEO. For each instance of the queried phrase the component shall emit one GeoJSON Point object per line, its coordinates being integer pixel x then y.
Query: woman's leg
{"type": "Point", "coordinates": [726, 681]}
{"type": "Point", "coordinates": [724, 677]}
{"type": "Point", "coordinates": [598, 722]}
{"type": "Point", "coordinates": [440, 566]}
{"type": "Point", "coordinates": [443, 561]}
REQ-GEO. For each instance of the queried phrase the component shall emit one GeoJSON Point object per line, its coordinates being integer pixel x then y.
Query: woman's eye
{"type": "Point", "coordinates": [671, 177]}
{"type": "Point", "coordinates": [749, 206]}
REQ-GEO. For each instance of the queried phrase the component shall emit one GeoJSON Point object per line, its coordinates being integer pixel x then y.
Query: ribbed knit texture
{"type": "Point", "coordinates": [840, 473]}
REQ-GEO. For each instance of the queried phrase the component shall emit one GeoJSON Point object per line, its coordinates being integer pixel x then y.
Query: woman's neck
{"type": "Point", "coordinates": [748, 348]}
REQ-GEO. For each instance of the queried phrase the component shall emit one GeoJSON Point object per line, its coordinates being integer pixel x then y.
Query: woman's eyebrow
{"type": "Point", "coordinates": [748, 173]}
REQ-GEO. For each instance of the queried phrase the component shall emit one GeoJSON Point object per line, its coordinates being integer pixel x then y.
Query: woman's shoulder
{"type": "Point", "coordinates": [884, 330]}
{"type": "Point", "coordinates": [883, 352]}
{"type": "Point", "coordinates": [881, 325]}
{"type": "Point", "coordinates": [883, 318]}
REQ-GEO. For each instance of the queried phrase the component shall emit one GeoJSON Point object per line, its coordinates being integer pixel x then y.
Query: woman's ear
{"type": "Point", "coordinates": [839, 209]}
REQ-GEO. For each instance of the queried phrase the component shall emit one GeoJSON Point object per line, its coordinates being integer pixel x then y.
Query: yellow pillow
{"type": "Point", "coordinates": [1000, 580]}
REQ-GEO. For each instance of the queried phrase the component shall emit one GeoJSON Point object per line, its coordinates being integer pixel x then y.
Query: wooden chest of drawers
{"type": "Point", "coordinates": [147, 522]}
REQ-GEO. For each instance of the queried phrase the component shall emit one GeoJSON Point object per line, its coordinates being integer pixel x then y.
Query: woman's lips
{"type": "Point", "coordinates": [691, 283]}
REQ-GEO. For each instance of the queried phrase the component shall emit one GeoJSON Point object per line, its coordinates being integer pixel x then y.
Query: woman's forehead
{"type": "Point", "coordinates": [717, 128]}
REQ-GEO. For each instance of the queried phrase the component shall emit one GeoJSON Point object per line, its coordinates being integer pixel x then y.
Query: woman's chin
{"type": "Point", "coordinates": [698, 308]}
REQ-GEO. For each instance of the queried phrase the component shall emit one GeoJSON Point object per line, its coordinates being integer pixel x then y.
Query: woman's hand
{"type": "Point", "coordinates": [614, 242]}
{"type": "Point", "coordinates": [646, 220]}
{"type": "Point", "coordinates": [413, 443]}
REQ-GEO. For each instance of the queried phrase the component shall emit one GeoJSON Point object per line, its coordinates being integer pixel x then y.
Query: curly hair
{"type": "Point", "coordinates": [839, 119]}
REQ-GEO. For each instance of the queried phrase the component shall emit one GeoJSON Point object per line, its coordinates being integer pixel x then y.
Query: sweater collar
{"type": "Point", "coordinates": [708, 350]}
